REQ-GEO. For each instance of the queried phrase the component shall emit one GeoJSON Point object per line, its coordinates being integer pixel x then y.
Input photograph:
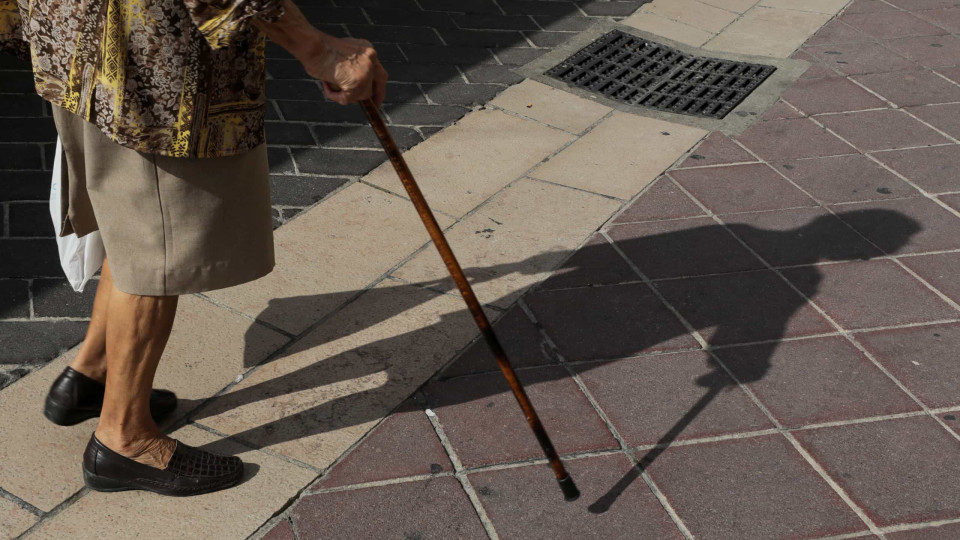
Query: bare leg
{"type": "Point", "coordinates": [92, 358]}
{"type": "Point", "coordinates": [137, 329]}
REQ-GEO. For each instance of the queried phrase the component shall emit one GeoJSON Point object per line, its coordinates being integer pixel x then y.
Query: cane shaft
{"type": "Point", "coordinates": [456, 272]}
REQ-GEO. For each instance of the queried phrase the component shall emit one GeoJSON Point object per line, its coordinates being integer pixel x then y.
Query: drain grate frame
{"type": "Point", "coordinates": [637, 71]}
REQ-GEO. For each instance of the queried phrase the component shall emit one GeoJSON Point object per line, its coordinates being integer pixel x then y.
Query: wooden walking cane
{"type": "Point", "coordinates": [570, 491]}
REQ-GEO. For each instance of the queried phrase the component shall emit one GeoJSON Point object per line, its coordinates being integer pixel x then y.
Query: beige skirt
{"type": "Point", "coordinates": [170, 226]}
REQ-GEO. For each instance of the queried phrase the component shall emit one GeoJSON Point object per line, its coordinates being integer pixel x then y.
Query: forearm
{"type": "Point", "coordinates": [294, 33]}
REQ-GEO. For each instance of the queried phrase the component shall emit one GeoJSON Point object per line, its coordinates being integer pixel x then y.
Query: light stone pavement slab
{"type": "Point", "coordinates": [768, 31]}
{"type": "Point", "coordinates": [516, 240]}
{"type": "Point", "coordinates": [551, 106]}
{"type": "Point", "coordinates": [692, 12]}
{"type": "Point", "coordinates": [328, 254]}
{"type": "Point", "coordinates": [13, 519]}
{"type": "Point", "coordinates": [676, 31]}
{"type": "Point", "coordinates": [234, 513]}
{"type": "Point", "coordinates": [738, 6]}
{"type": "Point", "coordinates": [830, 7]}
{"type": "Point", "coordinates": [205, 353]}
{"type": "Point", "coordinates": [621, 156]}
{"type": "Point", "coordinates": [465, 164]}
{"type": "Point", "coordinates": [337, 382]}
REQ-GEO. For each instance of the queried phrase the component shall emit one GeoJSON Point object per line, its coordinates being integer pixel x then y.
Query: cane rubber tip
{"type": "Point", "coordinates": [570, 491]}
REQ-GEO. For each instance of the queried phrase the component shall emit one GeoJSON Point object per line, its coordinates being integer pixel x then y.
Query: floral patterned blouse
{"type": "Point", "coordinates": [181, 78]}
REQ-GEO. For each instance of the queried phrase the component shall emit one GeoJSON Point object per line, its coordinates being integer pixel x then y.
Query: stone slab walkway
{"type": "Point", "coordinates": [746, 337]}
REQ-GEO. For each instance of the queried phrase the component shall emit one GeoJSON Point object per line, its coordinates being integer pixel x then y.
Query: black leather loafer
{"type": "Point", "coordinates": [74, 397]}
{"type": "Point", "coordinates": [191, 471]}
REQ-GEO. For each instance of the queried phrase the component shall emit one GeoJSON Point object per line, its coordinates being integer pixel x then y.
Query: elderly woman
{"type": "Point", "coordinates": [160, 108]}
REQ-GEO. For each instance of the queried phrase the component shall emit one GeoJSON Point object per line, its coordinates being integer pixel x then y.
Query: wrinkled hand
{"type": "Point", "coordinates": [350, 71]}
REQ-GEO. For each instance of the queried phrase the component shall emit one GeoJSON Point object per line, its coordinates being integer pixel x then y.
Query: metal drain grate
{"type": "Point", "coordinates": [640, 72]}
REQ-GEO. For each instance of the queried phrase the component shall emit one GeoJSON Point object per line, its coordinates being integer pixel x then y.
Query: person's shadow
{"type": "Point", "coordinates": [746, 304]}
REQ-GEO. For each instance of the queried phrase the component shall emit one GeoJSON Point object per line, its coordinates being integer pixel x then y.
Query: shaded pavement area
{"type": "Point", "coordinates": [763, 344]}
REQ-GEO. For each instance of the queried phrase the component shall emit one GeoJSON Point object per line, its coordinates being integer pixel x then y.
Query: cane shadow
{"type": "Point", "coordinates": [748, 311]}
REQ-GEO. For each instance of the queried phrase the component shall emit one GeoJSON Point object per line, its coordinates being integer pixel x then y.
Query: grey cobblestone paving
{"type": "Point", "coordinates": [444, 57]}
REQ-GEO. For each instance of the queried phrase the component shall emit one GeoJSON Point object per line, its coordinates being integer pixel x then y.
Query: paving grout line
{"type": "Point", "coordinates": [461, 476]}
{"type": "Point", "coordinates": [4, 494]}
{"type": "Point", "coordinates": [624, 447]}
{"type": "Point", "coordinates": [47, 516]}
{"type": "Point", "coordinates": [696, 334]}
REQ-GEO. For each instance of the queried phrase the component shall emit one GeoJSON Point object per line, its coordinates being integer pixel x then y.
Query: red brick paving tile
{"type": "Point", "coordinates": [920, 5]}
{"type": "Point", "coordinates": [837, 31]}
{"type": "Point", "coordinates": [952, 73]}
{"type": "Point", "coordinates": [953, 201]}
{"type": "Point", "coordinates": [784, 139]}
{"type": "Point", "coordinates": [947, 18]}
{"type": "Point", "coordinates": [844, 179]}
{"type": "Point", "coordinates": [524, 503]}
{"type": "Point", "coordinates": [860, 58]}
{"type": "Point", "coordinates": [881, 130]}
{"type": "Point", "coordinates": [717, 149]}
{"type": "Point", "coordinates": [915, 225]}
{"type": "Point", "coordinates": [946, 118]}
{"type": "Point", "coordinates": [436, 509]}
{"type": "Point", "coordinates": [952, 420]}
{"type": "Point", "coordinates": [923, 358]}
{"type": "Point", "coordinates": [934, 169]}
{"type": "Point", "coordinates": [943, 532]}
{"type": "Point", "coordinates": [781, 111]}
{"type": "Point", "coordinates": [521, 340]}
{"type": "Point", "coordinates": [687, 247]}
{"type": "Point", "coordinates": [405, 444]}
{"type": "Point", "coordinates": [870, 294]}
{"type": "Point", "coordinates": [801, 236]}
{"type": "Point", "coordinates": [911, 87]}
{"type": "Point", "coordinates": [742, 308]}
{"type": "Point", "coordinates": [816, 380]}
{"type": "Point", "coordinates": [646, 397]}
{"type": "Point", "coordinates": [867, 6]}
{"type": "Point", "coordinates": [891, 24]}
{"type": "Point", "coordinates": [663, 200]}
{"type": "Point", "coordinates": [930, 51]}
{"type": "Point", "coordinates": [904, 470]}
{"type": "Point", "coordinates": [741, 188]}
{"type": "Point", "coordinates": [485, 425]}
{"type": "Point", "coordinates": [596, 263]}
{"type": "Point", "coordinates": [817, 71]}
{"type": "Point", "coordinates": [750, 488]}
{"type": "Point", "coordinates": [281, 531]}
{"type": "Point", "coordinates": [608, 322]}
{"type": "Point", "coordinates": [831, 95]}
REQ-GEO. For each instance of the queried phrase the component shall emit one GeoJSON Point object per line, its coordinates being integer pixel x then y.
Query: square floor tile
{"type": "Point", "coordinates": [837, 31]}
{"type": "Point", "coordinates": [934, 168]}
{"type": "Point", "coordinates": [521, 340]}
{"type": "Point", "coordinates": [869, 294]}
{"type": "Point", "coordinates": [943, 532]}
{"type": "Point", "coordinates": [800, 236]}
{"type": "Point", "coordinates": [868, 6]}
{"type": "Point", "coordinates": [659, 399]}
{"type": "Point", "coordinates": [952, 73]}
{"type": "Point", "coordinates": [662, 200]}
{"type": "Point", "coordinates": [947, 18]}
{"type": "Point", "coordinates": [882, 130]}
{"type": "Point", "coordinates": [860, 58]}
{"type": "Point", "coordinates": [930, 51]}
{"type": "Point", "coordinates": [741, 188]}
{"type": "Point", "coordinates": [484, 424]}
{"type": "Point", "coordinates": [844, 179]}
{"type": "Point", "coordinates": [750, 488]}
{"type": "Point", "coordinates": [596, 263]}
{"type": "Point", "coordinates": [717, 149]}
{"type": "Point", "coordinates": [742, 308]}
{"type": "Point", "coordinates": [905, 470]}
{"type": "Point", "coordinates": [679, 248]}
{"type": "Point", "coordinates": [781, 110]}
{"type": "Point", "coordinates": [923, 358]}
{"type": "Point", "coordinates": [891, 24]}
{"type": "Point", "coordinates": [608, 322]}
{"type": "Point", "coordinates": [405, 444]}
{"type": "Point", "coordinates": [432, 509]}
{"type": "Point", "coordinates": [524, 502]}
{"type": "Point", "coordinates": [811, 381]}
{"type": "Point", "coordinates": [953, 201]}
{"type": "Point", "coordinates": [922, 5]}
{"type": "Point", "coordinates": [836, 94]}
{"type": "Point", "coordinates": [915, 225]}
{"type": "Point", "coordinates": [946, 117]}
{"type": "Point", "coordinates": [796, 138]}
{"type": "Point", "coordinates": [911, 87]}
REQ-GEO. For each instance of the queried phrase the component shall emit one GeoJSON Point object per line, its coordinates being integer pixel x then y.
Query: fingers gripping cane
{"type": "Point", "coordinates": [570, 491]}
